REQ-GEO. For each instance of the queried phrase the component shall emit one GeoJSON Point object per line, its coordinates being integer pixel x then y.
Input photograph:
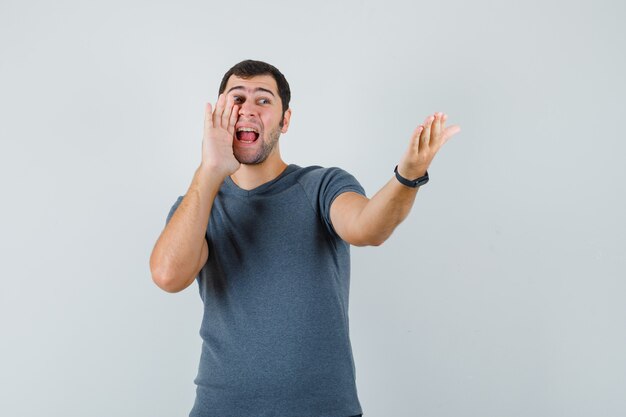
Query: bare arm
{"type": "Point", "coordinates": [181, 250]}
{"type": "Point", "coordinates": [369, 222]}
{"type": "Point", "coordinates": [361, 221]}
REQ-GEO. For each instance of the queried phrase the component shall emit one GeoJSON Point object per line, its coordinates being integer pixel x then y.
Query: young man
{"type": "Point", "coordinates": [269, 246]}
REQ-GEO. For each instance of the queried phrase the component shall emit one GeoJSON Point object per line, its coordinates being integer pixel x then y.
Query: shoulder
{"type": "Point", "coordinates": [316, 174]}
{"type": "Point", "coordinates": [325, 184]}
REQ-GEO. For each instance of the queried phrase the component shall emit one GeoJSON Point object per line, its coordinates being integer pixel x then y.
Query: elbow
{"type": "Point", "coordinates": [369, 241]}
{"type": "Point", "coordinates": [372, 236]}
{"type": "Point", "coordinates": [376, 242]}
{"type": "Point", "coordinates": [165, 279]}
{"type": "Point", "coordinates": [377, 239]}
{"type": "Point", "coordinates": [167, 285]}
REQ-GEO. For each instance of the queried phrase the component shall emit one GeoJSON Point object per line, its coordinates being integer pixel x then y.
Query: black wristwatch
{"type": "Point", "coordinates": [411, 183]}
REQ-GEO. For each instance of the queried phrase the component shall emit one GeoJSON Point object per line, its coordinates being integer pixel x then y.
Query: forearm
{"type": "Point", "coordinates": [385, 211]}
{"type": "Point", "coordinates": [390, 206]}
{"type": "Point", "coordinates": [178, 252]}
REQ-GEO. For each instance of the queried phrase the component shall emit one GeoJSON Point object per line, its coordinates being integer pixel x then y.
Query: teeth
{"type": "Point", "coordinates": [247, 129]}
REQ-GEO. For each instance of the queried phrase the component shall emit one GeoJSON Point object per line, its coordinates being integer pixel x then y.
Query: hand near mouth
{"type": "Point", "coordinates": [217, 142]}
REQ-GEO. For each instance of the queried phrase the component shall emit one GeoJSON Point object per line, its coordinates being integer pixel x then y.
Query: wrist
{"type": "Point", "coordinates": [411, 171]}
{"type": "Point", "coordinates": [212, 171]}
{"type": "Point", "coordinates": [412, 182]}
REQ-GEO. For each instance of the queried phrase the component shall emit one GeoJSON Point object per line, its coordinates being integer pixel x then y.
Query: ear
{"type": "Point", "coordinates": [286, 121]}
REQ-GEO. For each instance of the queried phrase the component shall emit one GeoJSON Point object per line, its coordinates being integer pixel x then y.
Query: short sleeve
{"type": "Point", "coordinates": [173, 209]}
{"type": "Point", "coordinates": [335, 181]}
{"type": "Point", "coordinates": [323, 185]}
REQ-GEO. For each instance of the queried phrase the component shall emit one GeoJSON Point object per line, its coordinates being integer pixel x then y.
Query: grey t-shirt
{"type": "Point", "coordinates": [275, 331]}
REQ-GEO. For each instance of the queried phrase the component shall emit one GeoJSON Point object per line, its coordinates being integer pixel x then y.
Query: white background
{"type": "Point", "coordinates": [503, 292]}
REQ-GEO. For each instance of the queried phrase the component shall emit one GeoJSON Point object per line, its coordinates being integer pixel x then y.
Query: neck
{"type": "Point", "coordinates": [248, 177]}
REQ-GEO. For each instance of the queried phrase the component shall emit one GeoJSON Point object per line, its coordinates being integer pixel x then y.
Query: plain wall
{"type": "Point", "coordinates": [503, 292]}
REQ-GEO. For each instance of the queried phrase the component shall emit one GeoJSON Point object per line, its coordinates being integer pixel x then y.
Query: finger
{"type": "Point", "coordinates": [435, 130]}
{"type": "Point", "coordinates": [234, 115]}
{"type": "Point", "coordinates": [425, 138]}
{"type": "Point", "coordinates": [449, 132]}
{"type": "Point", "coordinates": [219, 109]}
{"type": "Point", "coordinates": [444, 119]}
{"type": "Point", "coordinates": [227, 110]}
{"type": "Point", "coordinates": [415, 137]}
{"type": "Point", "coordinates": [208, 117]}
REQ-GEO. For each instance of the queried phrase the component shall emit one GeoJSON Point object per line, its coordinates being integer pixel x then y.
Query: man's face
{"type": "Point", "coordinates": [260, 111]}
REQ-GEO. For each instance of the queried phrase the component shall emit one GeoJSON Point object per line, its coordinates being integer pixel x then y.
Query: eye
{"type": "Point", "coordinates": [237, 99]}
{"type": "Point", "coordinates": [264, 101]}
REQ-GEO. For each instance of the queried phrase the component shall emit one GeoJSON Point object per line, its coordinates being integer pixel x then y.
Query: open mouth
{"type": "Point", "coordinates": [247, 134]}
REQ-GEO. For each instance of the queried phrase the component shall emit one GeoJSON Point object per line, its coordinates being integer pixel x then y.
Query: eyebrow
{"type": "Point", "coordinates": [240, 87]}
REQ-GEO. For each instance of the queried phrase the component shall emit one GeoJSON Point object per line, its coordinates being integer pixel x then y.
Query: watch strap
{"type": "Point", "coordinates": [411, 183]}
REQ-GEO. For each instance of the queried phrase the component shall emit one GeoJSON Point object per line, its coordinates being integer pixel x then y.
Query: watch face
{"type": "Point", "coordinates": [421, 180]}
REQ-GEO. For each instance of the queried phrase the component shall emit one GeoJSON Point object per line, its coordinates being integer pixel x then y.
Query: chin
{"type": "Point", "coordinates": [250, 159]}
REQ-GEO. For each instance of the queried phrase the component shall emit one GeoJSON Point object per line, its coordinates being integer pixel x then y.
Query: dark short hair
{"type": "Point", "coordinates": [250, 68]}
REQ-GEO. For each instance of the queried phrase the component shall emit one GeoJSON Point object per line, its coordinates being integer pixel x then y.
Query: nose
{"type": "Point", "coordinates": [247, 109]}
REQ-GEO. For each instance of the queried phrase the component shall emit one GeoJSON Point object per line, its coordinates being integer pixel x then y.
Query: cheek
{"type": "Point", "coordinates": [268, 120]}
